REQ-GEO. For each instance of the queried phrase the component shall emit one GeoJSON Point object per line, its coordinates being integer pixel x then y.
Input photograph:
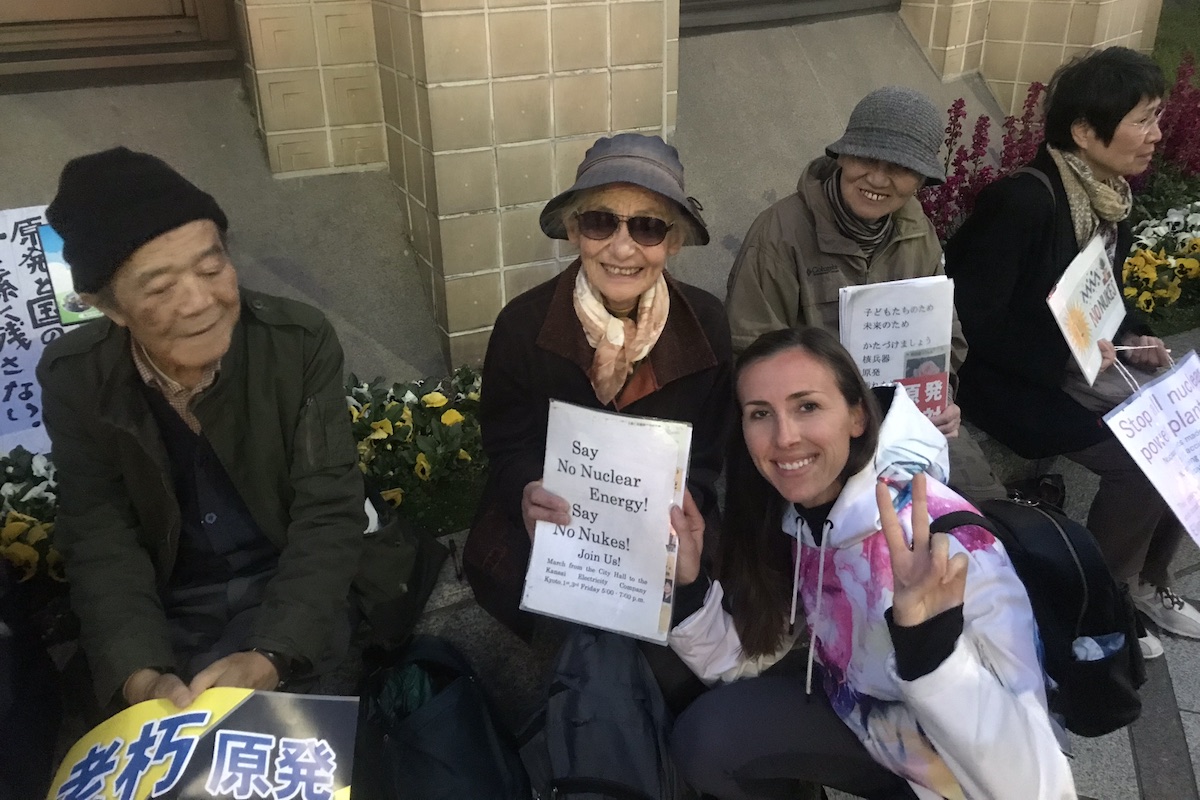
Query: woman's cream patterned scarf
{"type": "Point", "coordinates": [619, 343]}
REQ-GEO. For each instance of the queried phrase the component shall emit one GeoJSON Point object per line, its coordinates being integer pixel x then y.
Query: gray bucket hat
{"type": "Point", "coordinates": [645, 161]}
{"type": "Point", "coordinates": [898, 125]}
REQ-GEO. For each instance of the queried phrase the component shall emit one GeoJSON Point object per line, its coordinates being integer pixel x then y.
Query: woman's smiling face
{"type": "Point", "coordinates": [872, 189]}
{"type": "Point", "coordinates": [619, 268]}
{"type": "Point", "coordinates": [798, 425]}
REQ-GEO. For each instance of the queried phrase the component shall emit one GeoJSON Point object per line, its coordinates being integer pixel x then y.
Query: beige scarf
{"type": "Point", "coordinates": [619, 343]}
{"type": "Point", "coordinates": [1096, 206]}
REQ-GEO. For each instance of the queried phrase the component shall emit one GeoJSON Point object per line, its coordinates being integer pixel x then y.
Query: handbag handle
{"type": "Point", "coordinates": [561, 787]}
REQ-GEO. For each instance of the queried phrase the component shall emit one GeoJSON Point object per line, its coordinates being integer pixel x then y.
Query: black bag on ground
{"type": "Point", "coordinates": [427, 732]}
{"type": "Point", "coordinates": [396, 574]}
{"type": "Point", "coordinates": [604, 730]}
{"type": "Point", "coordinates": [1073, 595]}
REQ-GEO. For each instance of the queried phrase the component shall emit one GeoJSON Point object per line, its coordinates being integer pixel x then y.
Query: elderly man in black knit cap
{"type": "Point", "coordinates": [854, 219]}
{"type": "Point", "coordinates": [210, 506]}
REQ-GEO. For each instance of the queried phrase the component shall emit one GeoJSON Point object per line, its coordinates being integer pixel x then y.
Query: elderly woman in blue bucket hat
{"type": "Point", "coordinates": [613, 331]}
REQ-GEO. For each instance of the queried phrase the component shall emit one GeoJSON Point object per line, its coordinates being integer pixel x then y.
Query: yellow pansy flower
{"type": "Point", "coordinates": [434, 400]}
{"type": "Point", "coordinates": [393, 496]}
{"type": "Point", "coordinates": [36, 534]}
{"type": "Point", "coordinates": [54, 566]}
{"type": "Point", "coordinates": [356, 413]}
{"type": "Point", "coordinates": [451, 417]}
{"type": "Point", "coordinates": [406, 419]}
{"type": "Point", "coordinates": [423, 467]}
{"type": "Point", "coordinates": [23, 557]}
{"type": "Point", "coordinates": [1131, 291]}
{"type": "Point", "coordinates": [381, 429]}
{"type": "Point", "coordinates": [475, 395]}
{"type": "Point", "coordinates": [463, 455]}
{"type": "Point", "coordinates": [14, 526]}
{"type": "Point", "coordinates": [1188, 267]}
{"type": "Point", "coordinates": [1146, 302]}
{"type": "Point", "coordinates": [1148, 272]}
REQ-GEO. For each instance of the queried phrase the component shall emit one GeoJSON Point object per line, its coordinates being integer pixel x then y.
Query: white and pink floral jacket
{"type": "Point", "coordinates": [976, 728]}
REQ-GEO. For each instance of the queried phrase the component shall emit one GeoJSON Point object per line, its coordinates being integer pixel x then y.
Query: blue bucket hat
{"type": "Point", "coordinates": [645, 161]}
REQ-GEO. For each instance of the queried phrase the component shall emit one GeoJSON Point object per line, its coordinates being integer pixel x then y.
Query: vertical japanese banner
{"type": "Point", "coordinates": [29, 320]}
{"type": "Point", "coordinates": [231, 743]}
{"type": "Point", "coordinates": [1160, 427]}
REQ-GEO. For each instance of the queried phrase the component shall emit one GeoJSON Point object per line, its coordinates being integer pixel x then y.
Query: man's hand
{"type": "Point", "coordinates": [947, 422]}
{"type": "Point", "coordinates": [539, 505]}
{"type": "Point", "coordinates": [246, 670]}
{"type": "Point", "coordinates": [1152, 355]}
{"type": "Point", "coordinates": [150, 684]}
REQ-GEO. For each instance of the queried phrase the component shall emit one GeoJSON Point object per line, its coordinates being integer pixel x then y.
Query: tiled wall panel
{"type": "Point", "coordinates": [1016, 42]}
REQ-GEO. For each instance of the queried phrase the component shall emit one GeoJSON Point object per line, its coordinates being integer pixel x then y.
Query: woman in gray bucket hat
{"type": "Point", "coordinates": [854, 219]}
{"type": "Point", "coordinates": [613, 331]}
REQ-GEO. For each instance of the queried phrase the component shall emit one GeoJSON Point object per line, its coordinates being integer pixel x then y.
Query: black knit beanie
{"type": "Point", "coordinates": [111, 203]}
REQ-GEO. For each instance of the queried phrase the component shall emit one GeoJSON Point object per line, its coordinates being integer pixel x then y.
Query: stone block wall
{"type": "Point", "coordinates": [310, 71]}
{"type": "Point", "coordinates": [488, 107]}
{"type": "Point", "coordinates": [1016, 42]}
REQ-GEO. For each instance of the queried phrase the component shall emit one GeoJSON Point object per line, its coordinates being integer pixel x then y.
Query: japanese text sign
{"type": "Point", "coordinates": [37, 302]}
{"type": "Point", "coordinates": [231, 743]}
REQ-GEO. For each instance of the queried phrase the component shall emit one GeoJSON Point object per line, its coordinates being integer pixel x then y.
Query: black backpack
{"type": "Point", "coordinates": [427, 732]}
{"type": "Point", "coordinates": [604, 730]}
{"type": "Point", "coordinates": [1072, 594]}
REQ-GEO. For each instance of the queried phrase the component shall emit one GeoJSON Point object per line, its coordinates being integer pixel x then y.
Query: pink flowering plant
{"type": "Point", "coordinates": [1173, 180]}
{"type": "Point", "coordinates": [970, 168]}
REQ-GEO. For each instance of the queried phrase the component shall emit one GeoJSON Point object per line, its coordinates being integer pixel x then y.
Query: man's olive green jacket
{"type": "Point", "coordinates": [275, 416]}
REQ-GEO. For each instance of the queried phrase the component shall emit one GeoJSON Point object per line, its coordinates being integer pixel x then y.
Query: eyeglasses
{"type": "Point", "coordinates": [1149, 121]}
{"type": "Point", "coordinates": [600, 225]}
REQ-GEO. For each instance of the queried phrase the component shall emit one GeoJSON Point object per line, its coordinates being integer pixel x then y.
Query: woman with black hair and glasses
{"type": "Point", "coordinates": [613, 331]}
{"type": "Point", "coordinates": [1020, 383]}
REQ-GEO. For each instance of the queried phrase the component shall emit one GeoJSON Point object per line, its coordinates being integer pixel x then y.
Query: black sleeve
{"type": "Point", "coordinates": [920, 649]}
{"type": "Point", "coordinates": [690, 598]}
{"type": "Point", "coordinates": [998, 260]}
{"type": "Point", "coordinates": [513, 410]}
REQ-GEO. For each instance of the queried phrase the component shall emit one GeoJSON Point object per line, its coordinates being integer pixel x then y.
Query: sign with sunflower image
{"type": "Point", "coordinates": [1087, 304]}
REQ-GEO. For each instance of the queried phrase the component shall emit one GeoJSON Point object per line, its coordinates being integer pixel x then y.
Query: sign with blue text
{"type": "Point", "coordinates": [1160, 427]}
{"type": "Point", "coordinates": [231, 743]}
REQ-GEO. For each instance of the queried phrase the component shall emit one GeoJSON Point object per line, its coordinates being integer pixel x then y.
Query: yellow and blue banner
{"type": "Point", "coordinates": [230, 743]}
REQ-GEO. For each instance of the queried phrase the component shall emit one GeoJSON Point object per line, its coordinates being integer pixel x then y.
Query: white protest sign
{"type": "Point", "coordinates": [28, 320]}
{"type": "Point", "coordinates": [1087, 305]}
{"type": "Point", "coordinates": [37, 301]}
{"type": "Point", "coordinates": [900, 332]}
{"type": "Point", "coordinates": [613, 566]}
{"type": "Point", "coordinates": [1160, 427]}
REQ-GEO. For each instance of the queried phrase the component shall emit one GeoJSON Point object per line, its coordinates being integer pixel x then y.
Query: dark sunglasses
{"type": "Point", "coordinates": [599, 225]}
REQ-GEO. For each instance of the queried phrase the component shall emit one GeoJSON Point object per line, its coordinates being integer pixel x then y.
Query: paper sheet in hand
{"type": "Point", "coordinates": [900, 332]}
{"type": "Point", "coordinates": [1087, 305]}
{"type": "Point", "coordinates": [1160, 427]}
{"type": "Point", "coordinates": [613, 566]}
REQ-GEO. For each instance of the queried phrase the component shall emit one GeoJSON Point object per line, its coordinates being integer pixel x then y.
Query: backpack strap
{"type": "Point", "coordinates": [1043, 178]}
{"type": "Point", "coordinates": [959, 519]}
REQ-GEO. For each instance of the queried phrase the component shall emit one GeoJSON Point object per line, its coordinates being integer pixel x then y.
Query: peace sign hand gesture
{"type": "Point", "coordinates": [926, 580]}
